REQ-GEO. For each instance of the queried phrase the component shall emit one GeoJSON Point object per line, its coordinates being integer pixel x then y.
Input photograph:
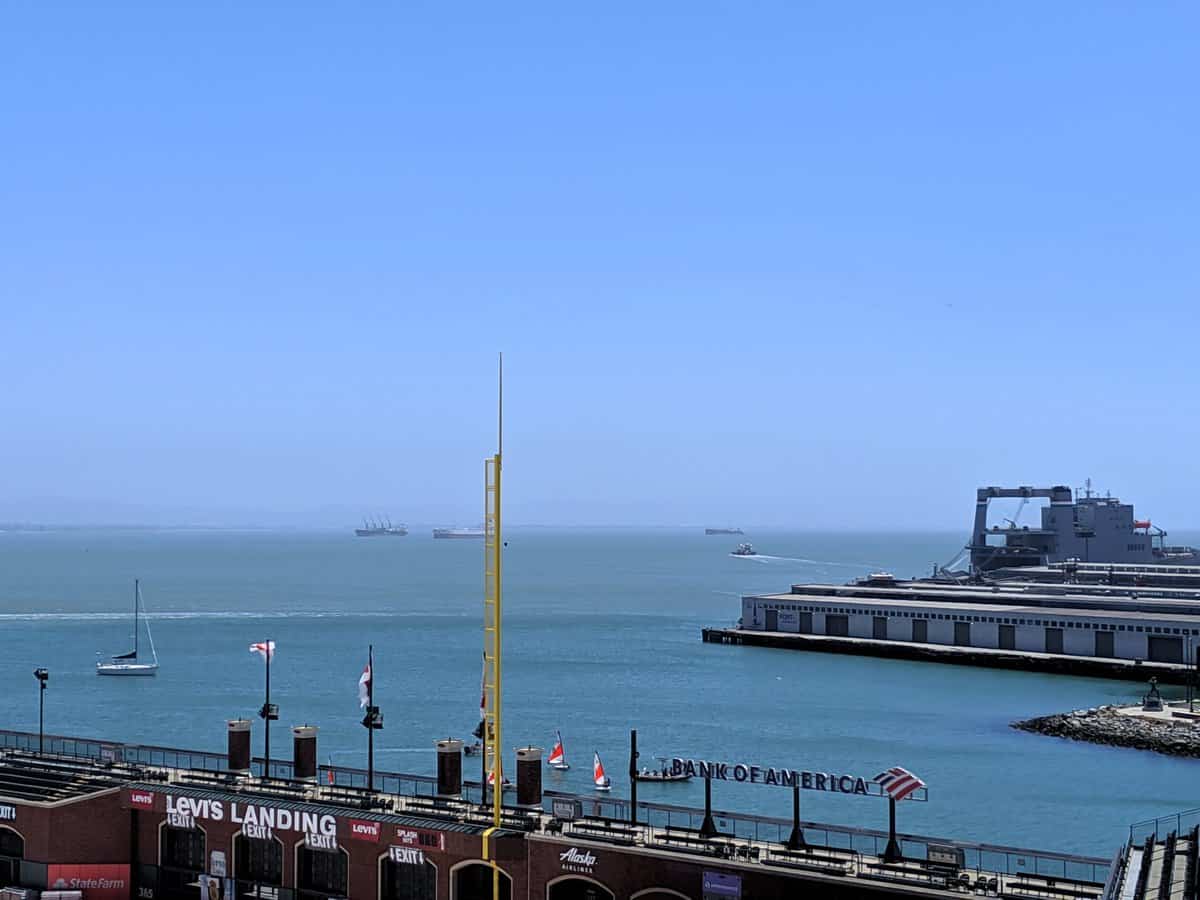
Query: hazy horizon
{"type": "Point", "coordinates": [793, 265]}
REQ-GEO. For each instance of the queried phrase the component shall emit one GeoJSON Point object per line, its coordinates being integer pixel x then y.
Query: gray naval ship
{"type": "Point", "coordinates": [1075, 525]}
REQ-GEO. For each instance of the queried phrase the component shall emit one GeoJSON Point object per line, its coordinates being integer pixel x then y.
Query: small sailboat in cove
{"type": "Point", "coordinates": [130, 663]}
{"type": "Point", "coordinates": [557, 758]}
{"type": "Point", "coordinates": [601, 781]}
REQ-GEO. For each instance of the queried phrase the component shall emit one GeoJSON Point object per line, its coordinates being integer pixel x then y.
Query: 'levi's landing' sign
{"type": "Point", "coordinates": [249, 815]}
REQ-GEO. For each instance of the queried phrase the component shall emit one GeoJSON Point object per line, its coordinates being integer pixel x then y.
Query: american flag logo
{"type": "Point", "coordinates": [898, 782]}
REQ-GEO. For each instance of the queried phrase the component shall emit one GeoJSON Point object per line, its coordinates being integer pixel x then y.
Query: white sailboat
{"type": "Point", "coordinates": [601, 781]}
{"type": "Point", "coordinates": [128, 663]}
{"type": "Point", "coordinates": [557, 758]}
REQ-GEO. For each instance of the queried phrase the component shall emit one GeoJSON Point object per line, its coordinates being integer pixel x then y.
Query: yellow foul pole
{"type": "Point", "coordinates": [492, 645]}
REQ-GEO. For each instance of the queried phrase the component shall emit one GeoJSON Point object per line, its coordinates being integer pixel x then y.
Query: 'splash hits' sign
{"type": "Point", "coordinates": [420, 837]}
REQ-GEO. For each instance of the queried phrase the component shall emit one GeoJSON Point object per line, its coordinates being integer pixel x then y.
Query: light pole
{"type": "Point", "coordinates": [42, 675]}
{"type": "Point", "coordinates": [373, 720]}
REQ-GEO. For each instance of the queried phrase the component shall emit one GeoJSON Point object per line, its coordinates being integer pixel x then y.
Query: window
{"type": "Point", "coordinates": [409, 881]}
{"type": "Point", "coordinates": [259, 860]}
{"type": "Point", "coordinates": [183, 848]}
{"type": "Point", "coordinates": [322, 872]}
{"type": "Point", "coordinates": [12, 849]}
{"type": "Point", "coordinates": [474, 882]}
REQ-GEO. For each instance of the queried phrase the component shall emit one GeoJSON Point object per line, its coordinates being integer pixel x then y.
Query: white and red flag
{"type": "Point", "coordinates": [265, 649]}
{"type": "Point", "coordinates": [898, 782]}
{"type": "Point", "coordinates": [364, 685]}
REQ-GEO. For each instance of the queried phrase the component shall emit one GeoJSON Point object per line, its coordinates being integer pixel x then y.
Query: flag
{"type": "Point", "coordinates": [479, 729]}
{"type": "Point", "coordinates": [898, 782]}
{"type": "Point", "coordinates": [364, 685]}
{"type": "Point", "coordinates": [265, 649]}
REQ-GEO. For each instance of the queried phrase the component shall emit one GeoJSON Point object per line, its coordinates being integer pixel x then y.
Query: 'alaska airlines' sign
{"type": "Point", "coordinates": [808, 781]}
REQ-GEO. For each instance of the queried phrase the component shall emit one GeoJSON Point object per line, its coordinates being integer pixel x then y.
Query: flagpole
{"type": "Point", "coordinates": [266, 714]}
{"type": "Point", "coordinates": [370, 710]}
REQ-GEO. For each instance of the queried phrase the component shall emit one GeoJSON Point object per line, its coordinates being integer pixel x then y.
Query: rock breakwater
{"type": "Point", "coordinates": [1105, 725]}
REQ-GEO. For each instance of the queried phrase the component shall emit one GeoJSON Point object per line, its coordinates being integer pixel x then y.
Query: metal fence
{"type": "Point", "coordinates": [767, 829]}
{"type": "Point", "coordinates": [1180, 823]}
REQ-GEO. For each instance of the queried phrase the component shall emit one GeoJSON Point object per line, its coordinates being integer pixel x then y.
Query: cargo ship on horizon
{"type": "Point", "coordinates": [447, 533]}
{"type": "Point", "coordinates": [380, 527]}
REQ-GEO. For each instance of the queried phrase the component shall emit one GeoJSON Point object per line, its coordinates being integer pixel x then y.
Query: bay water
{"type": "Point", "coordinates": [601, 634]}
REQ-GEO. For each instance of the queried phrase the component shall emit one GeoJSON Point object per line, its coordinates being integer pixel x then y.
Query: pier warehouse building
{"type": "Point", "coordinates": [1095, 629]}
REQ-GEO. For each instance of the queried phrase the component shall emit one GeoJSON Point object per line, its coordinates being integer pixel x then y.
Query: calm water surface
{"type": "Point", "coordinates": [602, 633]}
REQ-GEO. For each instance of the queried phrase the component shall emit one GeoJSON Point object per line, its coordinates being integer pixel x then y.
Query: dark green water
{"type": "Point", "coordinates": [602, 633]}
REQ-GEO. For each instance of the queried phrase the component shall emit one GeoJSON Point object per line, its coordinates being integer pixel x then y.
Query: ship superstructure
{"type": "Point", "coordinates": [1078, 525]}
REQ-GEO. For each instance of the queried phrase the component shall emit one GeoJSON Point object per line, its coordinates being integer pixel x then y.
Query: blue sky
{"type": "Point", "coordinates": [826, 265]}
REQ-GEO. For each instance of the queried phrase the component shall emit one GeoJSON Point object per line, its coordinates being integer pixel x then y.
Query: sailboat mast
{"type": "Point", "coordinates": [136, 593]}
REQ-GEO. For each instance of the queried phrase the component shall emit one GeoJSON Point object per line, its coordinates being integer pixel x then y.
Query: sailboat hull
{"type": "Point", "coordinates": [127, 668]}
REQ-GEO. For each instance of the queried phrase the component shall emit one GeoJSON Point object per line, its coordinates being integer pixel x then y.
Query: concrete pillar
{"type": "Point", "coordinates": [529, 776]}
{"type": "Point", "coordinates": [239, 746]}
{"type": "Point", "coordinates": [304, 752]}
{"type": "Point", "coordinates": [449, 768]}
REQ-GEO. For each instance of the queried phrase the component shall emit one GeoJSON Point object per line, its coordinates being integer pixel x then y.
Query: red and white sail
{"type": "Point", "coordinates": [598, 777]}
{"type": "Point", "coordinates": [557, 758]}
{"type": "Point", "coordinates": [265, 649]}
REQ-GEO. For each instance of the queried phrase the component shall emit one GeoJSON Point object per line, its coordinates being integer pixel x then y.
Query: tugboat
{"type": "Point", "coordinates": [744, 550]}
{"type": "Point", "coordinates": [663, 773]}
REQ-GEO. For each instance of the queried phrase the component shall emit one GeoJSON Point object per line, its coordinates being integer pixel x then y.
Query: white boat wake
{"type": "Point", "coordinates": [766, 558]}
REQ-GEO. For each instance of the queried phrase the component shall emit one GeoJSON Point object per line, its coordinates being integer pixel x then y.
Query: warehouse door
{"type": "Point", "coordinates": [1104, 644]}
{"type": "Point", "coordinates": [1054, 642]}
{"type": "Point", "coordinates": [772, 620]}
{"type": "Point", "coordinates": [1008, 637]}
{"type": "Point", "coordinates": [879, 628]}
{"type": "Point", "coordinates": [806, 623]}
{"type": "Point", "coordinates": [921, 631]}
{"type": "Point", "coordinates": [1165, 649]}
{"type": "Point", "coordinates": [837, 626]}
{"type": "Point", "coordinates": [962, 634]}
